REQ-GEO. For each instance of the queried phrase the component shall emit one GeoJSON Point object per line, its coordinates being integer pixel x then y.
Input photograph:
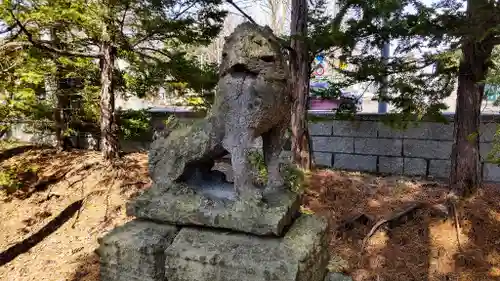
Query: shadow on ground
{"type": "Point", "coordinates": [76, 176]}
{"type": "Point", "coordinates": [37, 169]}
{"type": "Point", "coordinates": [11, 152]}
{"type": "Point", "coordinates": [28, 243]}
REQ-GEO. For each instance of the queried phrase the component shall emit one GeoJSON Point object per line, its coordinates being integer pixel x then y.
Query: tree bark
{"type": "Point", "coordinates": [53, 93]}
{"type": "Point", "coordinates": [299, 70]}
{"type": "Point", "coordinates": [58, 96]}
{"type": "Point", "coordinates": [466, 176]}
{"type": "Point", "coordinates": [109, 130]}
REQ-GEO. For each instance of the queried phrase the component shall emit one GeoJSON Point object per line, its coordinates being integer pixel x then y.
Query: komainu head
{"type": "Point", "coordinates": [252, 48]}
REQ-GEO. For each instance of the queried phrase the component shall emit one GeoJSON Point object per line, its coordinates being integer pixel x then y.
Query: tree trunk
{"type": "Point", "coordinates": [465, 176]}
{"type": "Point", "coordinates": [53, 93]}
{"type": "Point", "coordinates": [109, 130]}
{"type": "Point", "coordinates": [299, 70]}
{"type": "Point", "coordinates": [59, 96]}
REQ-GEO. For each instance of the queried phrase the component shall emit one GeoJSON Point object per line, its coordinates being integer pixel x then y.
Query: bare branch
{"type": "Point", "coordinates": [51, 49]}
{"type": "Point", "coordinates": [122, 22]}
{"type": "Point", "coordinates": [248, 17]}
{"type": "Point", "coordinates": [161, 52]}
{"type": "Point", "coordinates": [185, 10]}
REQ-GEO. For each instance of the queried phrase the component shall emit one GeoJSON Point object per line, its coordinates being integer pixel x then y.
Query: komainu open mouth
{"type": "Point", "coordinates": [240, 68]}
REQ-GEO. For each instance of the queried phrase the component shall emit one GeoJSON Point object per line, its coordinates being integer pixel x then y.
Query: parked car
{"type": "Point", "coordinates": [347, 101]}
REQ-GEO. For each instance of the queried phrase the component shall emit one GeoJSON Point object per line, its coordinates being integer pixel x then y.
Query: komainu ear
{"type": "Point", "coordinates": [268, 29]}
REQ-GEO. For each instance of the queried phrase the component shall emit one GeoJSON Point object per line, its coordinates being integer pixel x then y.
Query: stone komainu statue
{"type": "Point", "coordinates": [251, 101]}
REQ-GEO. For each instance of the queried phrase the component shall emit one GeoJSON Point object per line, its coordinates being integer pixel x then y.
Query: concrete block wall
{"type": "Point", "coordinates": [366, 144]}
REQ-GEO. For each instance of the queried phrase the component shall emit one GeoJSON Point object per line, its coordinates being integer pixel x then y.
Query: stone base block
{"type": "Point", "coordinates": [135, 251]}
{"type": "Point", "coordinates": [207, 255]}
{"type": "Point", "coordinates": [216, 206]}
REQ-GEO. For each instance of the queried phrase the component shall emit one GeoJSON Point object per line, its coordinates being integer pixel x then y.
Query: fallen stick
{"type": "Point", "coordinates": [394, 219]}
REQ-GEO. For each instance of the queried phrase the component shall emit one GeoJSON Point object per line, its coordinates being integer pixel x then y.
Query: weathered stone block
{"type": "Point", "coordinates": [430, 131]}
{"type": "Point", "coordinates": [322, 128]}
{"type": "Point", "coordinates": [209, 255]}
{"type": "Point", "coordinates": [135, 251]}
{"type": "Point", "coordinates": [355, 162]}
{"type": "Point", "coordinates": [424, 130]}
{"type": "Point", "coordinates": [216, 206]}
{"type": "Point", "coordinates": [390, 165]}
{"type": "Point", "coordinates": [487, 131]}
{"type": "Point", "coordinates": [385, 131]}
{"type": "Point", "coordinates": [389, 147]}
{"type": "Point", "coordinates": [439, 168]}
{"type": "Point", "coordinates": [485, 149]}
{"type": "Point", "coordinates": [491, 172]}
{"type": "Point", "coordinates": [355, 128]}
{"type": "Point", "coordinates": [323, 159]}
{"type": "Point", "coordinates": [427, 149]}
{"type": "Point", "coordinates": [333, 144]}
{"type": "Point", "coordinates": [415, 167]}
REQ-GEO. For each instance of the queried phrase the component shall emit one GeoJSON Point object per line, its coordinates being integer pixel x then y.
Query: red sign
{"type": "Point", "coordinates": [320, 70]}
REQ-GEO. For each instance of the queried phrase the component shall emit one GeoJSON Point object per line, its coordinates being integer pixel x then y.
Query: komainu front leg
{"type": "Point", "coordinates": [239, 146]}
{"type": "Point", "coordinates": [272, 145]}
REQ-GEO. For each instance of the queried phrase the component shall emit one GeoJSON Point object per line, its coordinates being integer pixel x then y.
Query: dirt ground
{"type": "Point", "coordinates": [73, 199]}
{"type": "Point", "coordinates": [423, 247]}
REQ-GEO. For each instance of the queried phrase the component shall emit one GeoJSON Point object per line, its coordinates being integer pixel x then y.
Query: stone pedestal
{"type": "Point", "coordinates": [215, 206]}
{"type": "Point", "coordinates": [185, 234]}
{"type": "Point", "coordinates": [135, 251]}
{"type": "Point", "coordinates": [208, 255]}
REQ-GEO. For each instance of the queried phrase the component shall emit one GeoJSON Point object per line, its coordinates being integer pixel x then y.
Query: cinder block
{"type": "Point", "coordinates": [415, 167]}
{"type": "Point", "coordinates": [439, 168]}
{"type": "Point", "coordinates": [135, 251]}
{"type": "Point", "coordinates": [355, 128]}
{"type": "Point", "coordinates": [491, 172]}
{"type": "Point", "coordinates": [484, 149]}
{"type": "Point", "coordinates": [355, 162]}
{"type": "Point", "coordinates": [390, 165]}
{"type": "Point", "coordinates": [430, 149]}
{"type": "Point", "coordinates": [430, 131]}
{"type": "Point", "coordinates": [385, 131]}
{"type": "Point", "coordinates": [323, 159]}
{"type": "Point", "coordinates": [487, 131]}
{"type": "Point", "coordinates": [333, 144]}
{"type": "Point", "coordinates": [386, 147]}
{"type": "Point", "coordinates": [321, 128]}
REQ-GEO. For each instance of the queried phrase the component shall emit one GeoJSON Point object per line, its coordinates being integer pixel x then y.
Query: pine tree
{"type": "Point", "coordinates": [146, 34]}
{"type": "Point", "coordinates": [439, 31]}
{"type": "Point", "coordinates": [300, 66]}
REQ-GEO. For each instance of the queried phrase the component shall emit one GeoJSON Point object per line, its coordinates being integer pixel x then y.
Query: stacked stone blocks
{"type": "Point", "coordinates": [368, 145]}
